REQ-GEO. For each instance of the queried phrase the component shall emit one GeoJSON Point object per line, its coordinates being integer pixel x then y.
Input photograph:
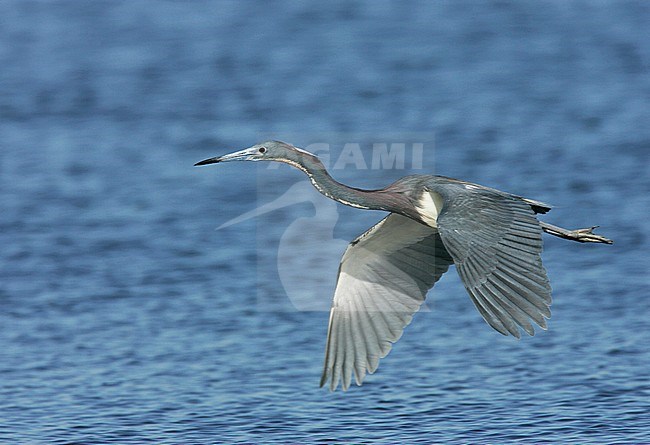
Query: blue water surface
{"type": "Point", "coordinates": [125, 317]}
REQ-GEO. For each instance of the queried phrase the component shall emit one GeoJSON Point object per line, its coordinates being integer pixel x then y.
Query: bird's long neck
{"type": "Point", "coordinates": [353, 197]}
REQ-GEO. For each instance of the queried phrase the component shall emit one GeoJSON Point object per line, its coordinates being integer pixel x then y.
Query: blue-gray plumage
{"type": "Point", "coordinates": [493, 238]}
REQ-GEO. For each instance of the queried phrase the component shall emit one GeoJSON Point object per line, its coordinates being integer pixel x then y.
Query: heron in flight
{"type": "Point", "coordinates": [492, 237]}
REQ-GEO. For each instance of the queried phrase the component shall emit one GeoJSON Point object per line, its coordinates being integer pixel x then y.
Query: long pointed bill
{"type": "Point", "coordinates": [242, 155]}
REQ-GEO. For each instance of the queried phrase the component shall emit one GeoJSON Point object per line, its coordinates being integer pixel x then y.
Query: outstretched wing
{"type": "Point", "coordinates": [383, 279]}
{"type": "Point", "coordinates": [496, 242]}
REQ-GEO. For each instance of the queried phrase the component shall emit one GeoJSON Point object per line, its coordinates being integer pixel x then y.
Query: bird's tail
{"type": "Point", "coordinates": [537, 206]}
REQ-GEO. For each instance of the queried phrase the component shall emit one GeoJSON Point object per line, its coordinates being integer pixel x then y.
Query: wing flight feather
{"type": "Point", "coordinates": [383, 279]}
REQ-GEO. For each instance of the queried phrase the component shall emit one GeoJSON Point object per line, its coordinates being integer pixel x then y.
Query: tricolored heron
{"type": "Point", "coordinates": [492, 237]}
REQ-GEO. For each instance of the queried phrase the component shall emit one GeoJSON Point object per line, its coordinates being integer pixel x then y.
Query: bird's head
{"type": "Point", "coordinates": [266, 151]}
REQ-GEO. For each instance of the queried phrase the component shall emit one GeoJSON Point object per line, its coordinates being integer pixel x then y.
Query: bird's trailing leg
{"type": "Point", "coordinates": [579, 235]}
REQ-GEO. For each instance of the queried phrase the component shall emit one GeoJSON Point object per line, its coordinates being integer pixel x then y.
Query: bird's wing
{"type": "Point", "coordinates": [383, 279]}
{"type": "Point", "coordinates": [496, 242]}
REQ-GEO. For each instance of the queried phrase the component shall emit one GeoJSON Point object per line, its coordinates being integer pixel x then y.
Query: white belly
{"type": "Point", "coordinates": [428, 207]}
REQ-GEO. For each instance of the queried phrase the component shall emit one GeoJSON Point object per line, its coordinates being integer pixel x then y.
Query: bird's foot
{"type": "Point", "coordinates": [586, 235]}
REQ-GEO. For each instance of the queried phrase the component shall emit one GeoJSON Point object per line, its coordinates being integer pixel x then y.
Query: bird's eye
{"type": "Point", "coordinates": [262, 150]}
